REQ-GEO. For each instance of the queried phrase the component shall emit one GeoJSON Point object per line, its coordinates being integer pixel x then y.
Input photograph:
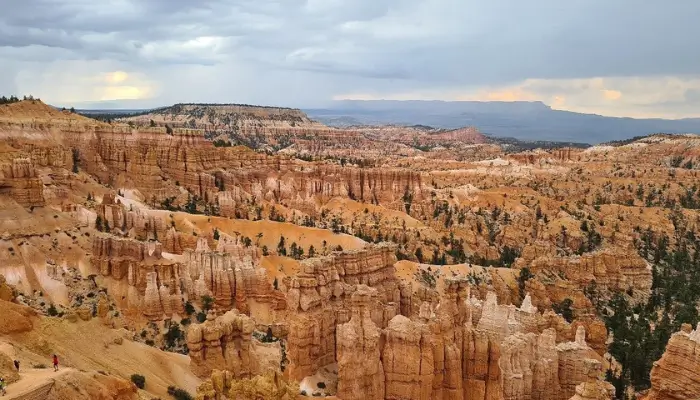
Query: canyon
{"type": "Point", "coordinates": [235, 251]}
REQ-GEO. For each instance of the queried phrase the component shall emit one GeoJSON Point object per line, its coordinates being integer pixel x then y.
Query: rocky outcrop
{"type": "Point", "coordinates": [610, 268]}
{"type": "Point", "coordinates": [360, 370]}
{"type": "Point", "coordinates": [572, 368]}
{"type": "Point", "coordinates": [319, 299]}
{"type": "Point", "coordinates": [594, 388]}
{"type": "Point", "coordinates": [407, 377]}
{"type": "Point", "coordinates": [675, 376]}
{"type": "Point", "coordinates": [19, 180]}
{"type": "Point", "coordinates": [453, 346]}
{"type": "Point", "coordinates": [231, 275]}
{"type": "Point", "coordinates": [529, 364]}
{"type": "Point", "coordinates": [222, 342]}
{"type": "Point", "coordinates": [7, 291]}
{"type": "Point", "coordinates": [320, 183]}
{"type": "Point", "coordinates": [154, 281]}
{"type": "Point", "coordinates": [223, 384]}
{"type": "Point", "coordinates": [115, 217]}
{"type": "Point", "coordinates": [15, 318]}
{"type": "Point", "coordinates": [445, 354]}
{"type": "Point", "coordinates": [89, 386]}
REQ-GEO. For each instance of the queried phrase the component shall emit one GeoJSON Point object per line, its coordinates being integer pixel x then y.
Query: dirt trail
{"type": "Point", "coordinates": [34, 383]}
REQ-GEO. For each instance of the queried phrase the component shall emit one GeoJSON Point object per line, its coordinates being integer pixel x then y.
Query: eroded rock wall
{"type": "Point", "coordinates": [223, 343]}
{"type": "Point", "coordinates": [19, 180]}
{"type": "Point", "coordinates": [154, 282]}
{"type": "Point", "coordinates": [453, 346]}
{"type": "Point", "coordinates": [318, 300]}
{"type": "Point", "coordinates": [230, 275]}
{"type": "Point", "coordinates": [676, 376]}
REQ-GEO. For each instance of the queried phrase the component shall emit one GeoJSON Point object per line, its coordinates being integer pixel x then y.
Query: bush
{"type": "Point", "coordinates": [179, 394]}
{"type": "Point", "coordinates": [201, 317]}
{"type": "Point", "coordinates": [189, 308]}
{"type": "Point", "coordinates": [321, 385]}
{"type": "Point", "coordinates": [52, 311]}
{"type": "Point", "coordinates": [564, 309]}
{"type": "Point", "coordinates": [207, 302]}
{"type": "Point", "coordinates": [139, 380]}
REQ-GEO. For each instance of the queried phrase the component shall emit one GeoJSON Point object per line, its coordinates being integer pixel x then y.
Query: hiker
{"type": "Point", "coordinates": [55, 362]}
{"type": "Point", "coordinates": [17, 365]}
{"type": "Point", "coordinates": [2, 386]}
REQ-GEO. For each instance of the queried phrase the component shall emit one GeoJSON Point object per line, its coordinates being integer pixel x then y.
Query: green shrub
{"type": "Point", "coordinates": [139, 380]}
{"type": "Point", "coordinates": [201, 317]}
{"type": "Point", "coordinates": [207, 302]}
{"type": "Point", "coordinates": [179, 394]}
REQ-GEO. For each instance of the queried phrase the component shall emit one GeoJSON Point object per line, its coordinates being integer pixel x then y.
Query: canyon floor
{"type": "Point", "coordinates": [239, 252]}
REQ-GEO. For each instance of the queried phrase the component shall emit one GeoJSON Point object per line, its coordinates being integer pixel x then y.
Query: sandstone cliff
{"type": "Point", "coordinates": [153, 281]}
{"type": "Point", "coordinates": [231, 275]}
{"type": "Point", "coordinates": [19, 180]}
{"type": "Point", "coordinates": [222, 342]}
{"type": "Point", "coordinates": [223, 384]}
{"type": "Point", "coordinates": [594, 388]}
{"type": "Point", "coordinates": [359, 367]}
{"type": "Point", "coordinates": [454, 347]}
{"type": "Point", "coordinates": [676, 375]}
{"type": "Point", "coordinates": [319, 300]}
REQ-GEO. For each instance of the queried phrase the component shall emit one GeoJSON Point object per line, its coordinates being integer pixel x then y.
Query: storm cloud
{"type": "Point", "coordinates": [621, 57]}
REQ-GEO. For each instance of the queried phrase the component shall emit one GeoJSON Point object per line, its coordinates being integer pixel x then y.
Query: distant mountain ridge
{"type": "Point", "coordinates": [530, 121]}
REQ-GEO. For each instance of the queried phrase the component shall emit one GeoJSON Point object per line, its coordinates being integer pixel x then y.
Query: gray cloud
{"type": "Point", "coordinates": [269, 49]}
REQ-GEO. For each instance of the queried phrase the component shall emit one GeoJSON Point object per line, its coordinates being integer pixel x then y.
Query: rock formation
{"type": "Point", "coordinates": [135, 223]}
{"type": "Point", "coordinates": [609, 268]}
{"type": "Point", "coordinates": [594, 388]}
{"type": "Point", "coordinates": [360, 371]}
{"type": "Point", "coordinates": [20, 181]}
{"type": "Point", "coordinates": [454, 346]}
{"type": "Point", "coordinates": [231, 275]}
{"type": "Point", "coordinates": [154, 281]}
{"type": "Point", "coordinates": [223, 385]}
{"type": "Point", "coordinates": [7, 292]}
{"type": "Point", "coordinates": [675, 376]}
{"type": "Point", "coordinates": [319, 300]}
{"type": "Point", "coordinates": [222, 343]}
{"type": "Point", "coordinates": [89, 386]}
{"type": "Point", "coordinates": [15, 318]}
{"type": "Point", "coordinates": [572, 370]}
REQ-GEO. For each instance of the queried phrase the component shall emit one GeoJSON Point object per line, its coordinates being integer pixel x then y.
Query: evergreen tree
{"type": "Point", "coordinates": [282, 247]}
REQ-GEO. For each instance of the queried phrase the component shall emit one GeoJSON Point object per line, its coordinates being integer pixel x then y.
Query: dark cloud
{"type": "Point", "coordinates": [368, 45]}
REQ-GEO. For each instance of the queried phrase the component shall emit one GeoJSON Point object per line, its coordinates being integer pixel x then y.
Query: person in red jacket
{"type": "Point", "coordinates": [55, 362]}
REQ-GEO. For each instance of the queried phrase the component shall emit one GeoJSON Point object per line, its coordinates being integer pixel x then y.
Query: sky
{"type": "Point", "coordinates": [635, 58]}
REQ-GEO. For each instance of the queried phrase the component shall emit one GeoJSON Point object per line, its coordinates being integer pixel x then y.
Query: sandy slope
{"type": "Point", "coordinates": [32, 379]}
{"type": "Point", "coordinates": [90, 346]}
{"type": "Point", "coordinates": [271, 231]}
